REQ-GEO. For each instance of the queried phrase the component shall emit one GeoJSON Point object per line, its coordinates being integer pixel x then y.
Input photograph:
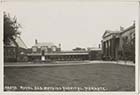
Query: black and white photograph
{"type": "Point", "coordinates": [65, 46]}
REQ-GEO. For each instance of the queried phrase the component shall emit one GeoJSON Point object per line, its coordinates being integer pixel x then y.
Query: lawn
{"type": "Point", "coordinates": [109, 77]}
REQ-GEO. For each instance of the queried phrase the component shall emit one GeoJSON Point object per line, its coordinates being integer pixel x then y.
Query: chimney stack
{"type": "Point", "coordinates": [59, 45]}
{"type": "Point", "coordinates": [36, 41]}
{"type": "Point", "coordinates": [134, 22]}
{"type": "Point", "coordinates": [99, 46]}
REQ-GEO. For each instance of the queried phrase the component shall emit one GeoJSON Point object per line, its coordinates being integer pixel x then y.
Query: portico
{"type": "Point", "coordinates": [110, 45]}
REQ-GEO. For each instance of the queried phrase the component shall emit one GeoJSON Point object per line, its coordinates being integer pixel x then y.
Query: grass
{"type": "Point", "coordinates": [112, 77]}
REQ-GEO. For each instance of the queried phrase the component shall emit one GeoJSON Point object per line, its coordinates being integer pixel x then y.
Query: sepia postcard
{"type": "Point", "coordinates": [70, 47]}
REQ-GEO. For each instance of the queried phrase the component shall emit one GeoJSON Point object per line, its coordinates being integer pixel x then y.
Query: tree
{"type": "Point", "coordinates": [10, 28]}
{"type": "Point", "coordinates": [129, 49]}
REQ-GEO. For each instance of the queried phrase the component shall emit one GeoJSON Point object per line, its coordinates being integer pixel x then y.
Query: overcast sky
{"type": "Point", "coordinates": [73, 24]}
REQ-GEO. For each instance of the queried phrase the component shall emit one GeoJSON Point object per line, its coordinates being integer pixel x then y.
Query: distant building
{"type": "Point", "coordinates": [95, 53]}
{"type": "Point", "coordinates": [56, 54]}
{"type": "Point", "coordinates": [60, 56]}
{"type": "Point", "coordinates": [15, 51]}
{"type": "Point", "coordinates": [114, 42]}
{"type": "Point", "coordinates": [79, 49]}
{"type": "Point", "coordinates": [45, 47]}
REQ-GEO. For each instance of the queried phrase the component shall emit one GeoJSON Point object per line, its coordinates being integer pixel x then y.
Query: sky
{"type": "Point", "coordinates": [71, 23]}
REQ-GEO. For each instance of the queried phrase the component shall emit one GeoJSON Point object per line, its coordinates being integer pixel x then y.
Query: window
{"type": "Point", "coordinates": [53, 48]}
{"type": "Point", "coordinates": [34, 49]}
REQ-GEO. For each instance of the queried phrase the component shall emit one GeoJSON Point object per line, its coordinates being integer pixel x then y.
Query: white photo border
{"type": "Point", "coordinates": [137, 66]}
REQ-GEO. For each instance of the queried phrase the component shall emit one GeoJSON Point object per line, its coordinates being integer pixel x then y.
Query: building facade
{"type": "Point", "coordinates": [59, 56]}
{"type": "Point", "coordinates": [51, 52]}
{"type": "Point", "coordinates": [15, 51]}
{"type": "Point", "coordinates": [95, 53]}
{"type": "Point", "coordinates": [116, 45]}
{"type": "Point", "coordinates": [40, 47]}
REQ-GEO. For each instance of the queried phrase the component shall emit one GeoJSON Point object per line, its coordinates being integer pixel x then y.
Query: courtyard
{"type": "Point", "coordinates": [108, 77]}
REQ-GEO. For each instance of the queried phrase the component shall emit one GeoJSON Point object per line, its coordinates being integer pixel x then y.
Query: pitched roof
{"type": "Point", "coordinates": [109, 32]}
{"type": "Point", "coordinates": [20, 43]}
{"type": "Point", "coordinates": [17, 42]}
{"type": "Point", "coordinates": [128, 28]}
{"type": "Point", "coordinates": [94, 49]}
{"type": "Point", "coordinates": [48, 44]}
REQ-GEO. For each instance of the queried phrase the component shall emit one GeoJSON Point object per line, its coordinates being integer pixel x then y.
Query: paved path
{"type": "Point", "coordinates": [64, 63]}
